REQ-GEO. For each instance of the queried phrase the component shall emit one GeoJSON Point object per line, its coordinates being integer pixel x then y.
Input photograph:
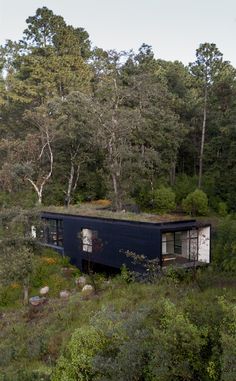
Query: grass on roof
{"type": "Point", "coordinates": [102, 208]}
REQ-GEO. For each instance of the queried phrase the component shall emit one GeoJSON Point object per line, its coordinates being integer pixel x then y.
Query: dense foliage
{"type": "Point", "coordinates": [77, 122]}
{"type": "Point", "coordinates": [124, 331]}
{"type": "Point", "coordinates": [225, 249]}
{"type": "Point", "coordinates": [196, 203]}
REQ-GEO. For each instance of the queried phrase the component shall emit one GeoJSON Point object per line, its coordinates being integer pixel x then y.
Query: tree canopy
{"type": "Point", "coordinates": [82, 122]}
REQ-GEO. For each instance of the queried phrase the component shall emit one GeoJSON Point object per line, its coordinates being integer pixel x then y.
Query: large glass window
{"type": "Point", "coordinates": [180, 244]}
{"type": "Point", "coordinates": [52, 232]}
{"type": "Point", "coordinates": [60, 233]}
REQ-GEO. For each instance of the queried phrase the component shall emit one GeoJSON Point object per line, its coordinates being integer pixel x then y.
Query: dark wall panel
{"type": "Point", "coordinates": [114, 238]}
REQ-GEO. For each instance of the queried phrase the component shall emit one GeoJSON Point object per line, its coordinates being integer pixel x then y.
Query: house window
{"type": "Point", "coordinates": [52, 232]}
{"type": "Point", "coordinates": [178, 242]}
{"type": "Point", "coordinates": [168, 243]}
{"type": "Point", "coordinates": [172, 243]}
{"type": "Point", "coordinates": [88, 236]}
{"type": "Point", "coordinates": [60, 233]}
{"type": "Point", "coordinates": [33, 232]}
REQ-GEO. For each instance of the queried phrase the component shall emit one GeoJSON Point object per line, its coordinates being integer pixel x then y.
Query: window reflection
{"type": "Point", "coordinates": [52, 232]}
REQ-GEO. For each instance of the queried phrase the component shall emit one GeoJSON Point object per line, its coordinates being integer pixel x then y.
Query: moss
{"type": "Point", "coordinates": [92, 210]}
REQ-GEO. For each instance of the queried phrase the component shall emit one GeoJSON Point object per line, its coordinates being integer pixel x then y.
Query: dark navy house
{"type": "Point", "coordinates": [101, 243]}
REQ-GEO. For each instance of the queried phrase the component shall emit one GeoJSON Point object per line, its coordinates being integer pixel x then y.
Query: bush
{"type": "Point", "coordinates": [196, 203]}
{"type": "Point", "coordinates": [10, 294]}
{"type": "Point", "coordinates": [142, 197]}
{"type": "Point", "coordinates": [41, 374]}
{"type": "Point", "coordinates": [159, 200]}
{"type": "Point", "coordinates": [222, 209]}
{"type": "Point", "coordinates": [224, 254]}
{"type": "Point", "coordinates": [23, 199]}
{"type": "Point", "coordinates": [147, 343]}
{"type": "Point", "coordinates": [163, 200]}
{"type": "Point", "coordinates": [183, 186]}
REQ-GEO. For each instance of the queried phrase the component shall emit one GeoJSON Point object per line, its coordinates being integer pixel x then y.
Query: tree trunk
{"type": "Point", "coordinates": [76, 178]}
{"type": "Point", "coordinates": [38, 190]}
{"type": "Point", "coordinates": [73, 181]}
{"type": "Point", "coordinates": [172, 173]}
{"type": "Point", "coordinates": [40, 197]}
{"type": "Point", "coordinates": [115, 189]}
{"type": "Point", "coordinates": [70, 183]}
{"type": "Point", "coordinates": [26, 294]}
{"type": "Point", "coordinates": [44, 180]}
{"type": "Point", "coordinates": [202, 139]}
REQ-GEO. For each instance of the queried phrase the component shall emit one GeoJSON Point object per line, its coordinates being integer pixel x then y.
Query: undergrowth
{"type": "Point", "coordinates": [124, 330]}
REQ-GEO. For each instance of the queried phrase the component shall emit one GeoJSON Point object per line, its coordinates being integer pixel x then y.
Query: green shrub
{"type": "Point", "coordinates": [177, 348]}
{"type": "Point", "coordinates": [142, 197]}
{"type": "Point", "coordinates": [157, 342]}
{"type": "Point", "coordinates": [224, 253]}
{"type": "Point", "coordinates": [159, 200]}
{"type": "Point", "coordinates": [196, 203]}
{"type": "Point", "coordinates": [163, 200]}
{"type": "Point", "coordinates": [54, 194]}
{"type": "Point", "coordinates": [183, 186]}
{"type": "Point", "coordinates": [228, 338]}
{"type": "Point", "coordinates": [41, 374]}
{"type": "Point", "coordinates": [23, 199]}
{"type": "Point", "coordinates": [78, 363]}
{"type": "Point", "coordinates": [222, 209]}
{"type": "Point", "coordinates": [10, 294]}
{"type": "Point", "coordinates": [5, 199]}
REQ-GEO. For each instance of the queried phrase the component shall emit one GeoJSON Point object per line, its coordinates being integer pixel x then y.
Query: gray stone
{"type": "Point", "coordinates": [64, 294]}
{"type": "Point", "coordinates": [87, 290]}
{"type": "Point", "coordinates": [44, 290]}
{"type": "Point", "coordinates": [81, 281]}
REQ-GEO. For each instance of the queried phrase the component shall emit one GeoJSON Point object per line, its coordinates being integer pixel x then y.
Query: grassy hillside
{"type": "Point", "coordinates": [178, 328]}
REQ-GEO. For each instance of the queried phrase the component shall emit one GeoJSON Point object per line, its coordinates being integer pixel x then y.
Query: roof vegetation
{"type": "Point", "coordinates": [102, 208]}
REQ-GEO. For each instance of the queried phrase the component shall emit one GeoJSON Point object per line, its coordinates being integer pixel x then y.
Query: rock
{"type": "Point", "coordinates": [44, 290]}
{"type": "Point", "coordinates": [36, 300]}
{"type": "Point", "coordinates": [87, 290]}
{"type": "Point", "coordinates": [64, 294]}
{"type": "Point", "coordinates": [81, 281]}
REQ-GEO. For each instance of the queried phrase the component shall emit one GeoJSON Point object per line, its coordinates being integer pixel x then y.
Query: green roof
{"type": "Point", "coordinates": [96, 210]}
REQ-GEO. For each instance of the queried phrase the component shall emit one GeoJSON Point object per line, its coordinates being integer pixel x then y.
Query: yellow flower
{"type": "Point", "coordinates": [15, 285]}
{"type": "Point", "coordinates": [49, 260]}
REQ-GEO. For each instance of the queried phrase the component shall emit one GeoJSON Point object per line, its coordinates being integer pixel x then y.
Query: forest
{"type": "Point", "coordinates": [80, 123]}
{"type": "Point", "coordinates": [79, 126]}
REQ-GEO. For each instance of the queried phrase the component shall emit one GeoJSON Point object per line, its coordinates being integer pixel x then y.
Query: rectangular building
{"type": "Point", "coordinates": [101, 243]}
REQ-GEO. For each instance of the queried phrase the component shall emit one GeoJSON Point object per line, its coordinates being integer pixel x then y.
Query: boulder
{"type": "Point", "coordinates": [81, 281]}
{"type": "Point", "coordinates": [87, 290]}
{"type": "Point", "coordinates": [36, 301]}
{"type": "Point", "coordinates": [44, 290]}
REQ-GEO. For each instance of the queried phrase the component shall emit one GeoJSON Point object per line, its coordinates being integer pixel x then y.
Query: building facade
{"type": "Point", "coordinates": [102, 243]}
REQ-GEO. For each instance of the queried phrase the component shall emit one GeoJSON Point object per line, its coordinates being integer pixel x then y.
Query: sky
{"type": "Point", "coordinates": [174, 28]}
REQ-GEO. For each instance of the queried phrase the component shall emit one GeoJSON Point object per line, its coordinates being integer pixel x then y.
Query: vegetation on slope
{"type": "Point", "coordinates": [175, 328]}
